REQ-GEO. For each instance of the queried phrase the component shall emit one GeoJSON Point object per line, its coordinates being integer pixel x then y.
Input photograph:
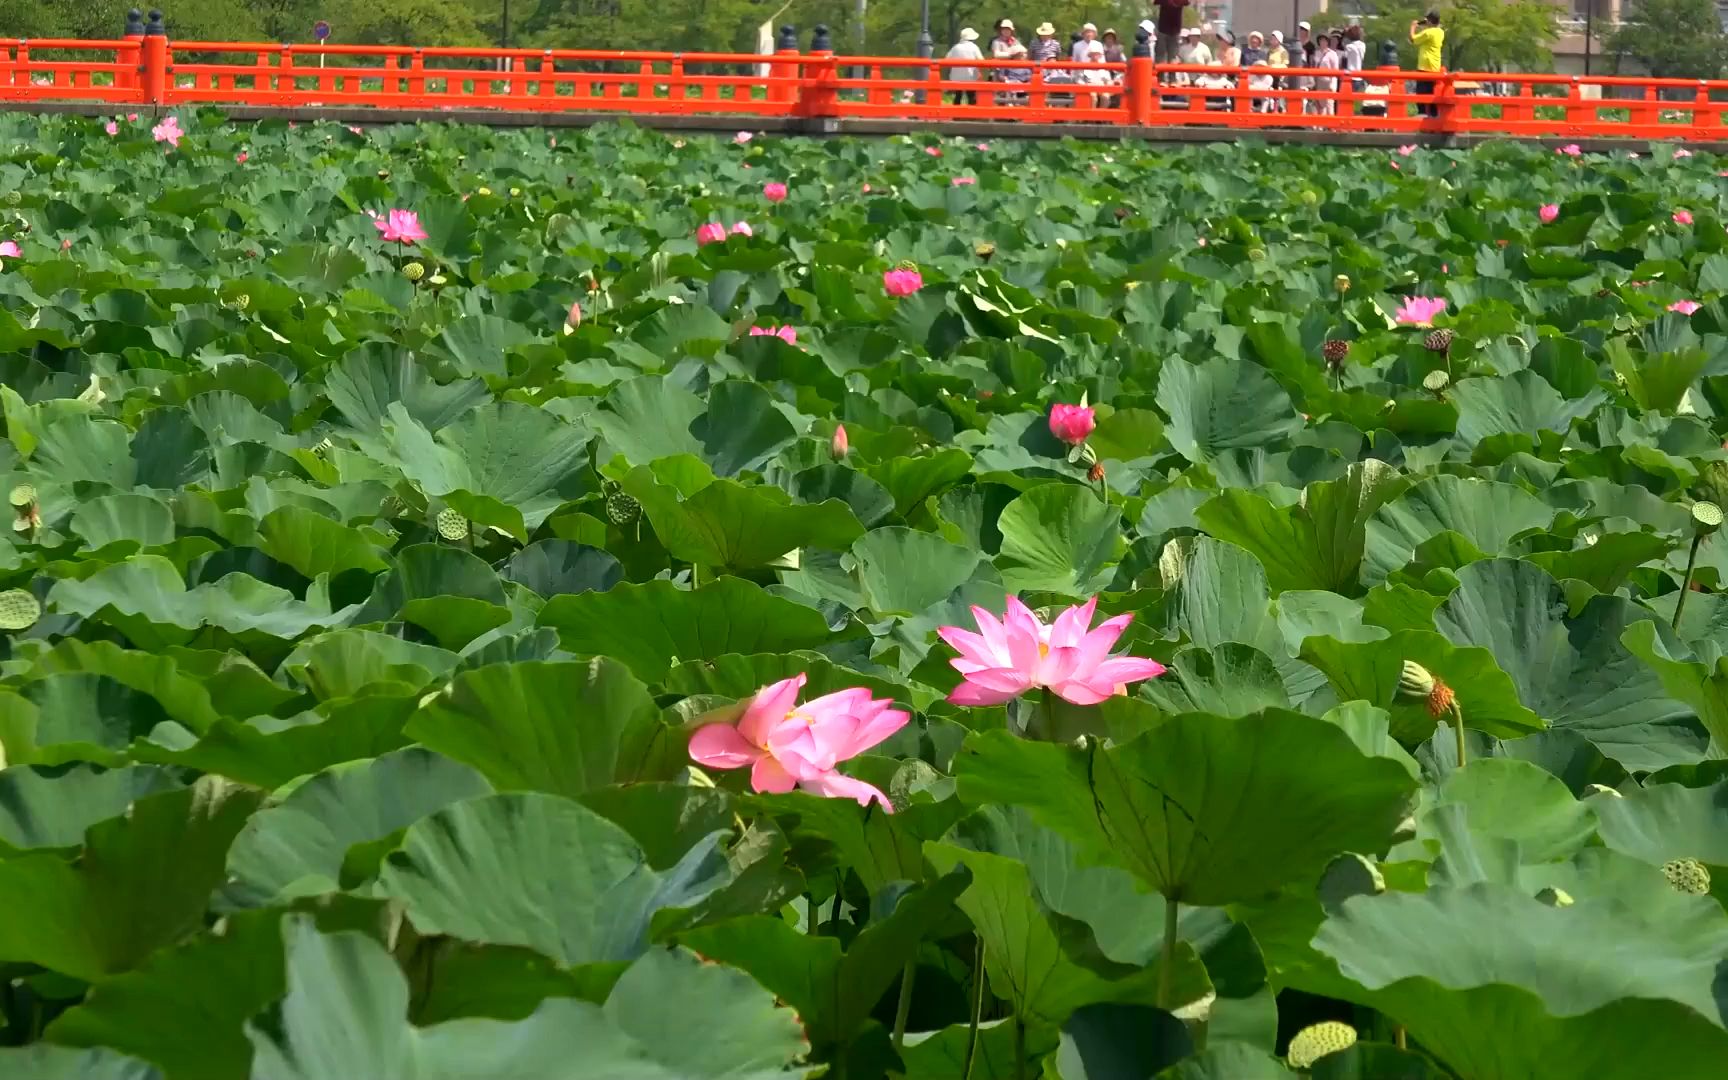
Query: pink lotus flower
{"type": "Point", "coordinates": [357, 129]}
{"type": "Point", "coordinates": [1548, 212]}
{"type": "Point", "coordinates": [742, 137]}
{"type": "Point", "coordinates": [399, 227]}
{"type": "Point", "coordinates": [1072, 423]}
{"type": "Point", "coordinates": [1407, 150]}
{"type": "Point", "coordinates": [963, 181]}
{"type": "Point", "coordinates": [1682, 152]}
{"type": "Point", "coordinates": [902, 282]}
{"type": "Point", "coordinates": [790, 745]}
{"type": "Point", "coordinates": [784, 333]}
{"type": "Point", "coordinates": [66, 244]}
{"type": "Point", "coordinates": [984, 146]}
{"type": "Point", "coordinates": [1684, 307]}
{"type": "Point", "coordinates": [573, 318]}
{"type": "Point", "coordinates": [711, 232]}
{"type": "Point", "coordinates": [1006, 658]}
{"type": "Point", "coordinates": [242, 157]}
{"type": "Point", "coordinates": [168, 131]}
{"type": "Point", "coordinates": [866, 189]}
{"type": "Point", "coordinates": [112, 127]}
{"type": "Point", "coordinates": [838, 447]}
{"type": "Point", "coordinates": [742, 228]}
{"type": "Point", "coordinates": [1682, 217]}
{"type": "Point", "coordinates": [133, 118]}
{"type": "Point", "coordinates": [11, 250]}
{"type": "Point", "coordinates": [1570, 150]}
{"type": "Point", "coordinates": [933, 151]}
{"type": "Point", "coordinates": [1398, 167]}
{"type": "Point", "coordinates": [1420, 310]}
{"type": "Point", "coordinates": [774, 192]}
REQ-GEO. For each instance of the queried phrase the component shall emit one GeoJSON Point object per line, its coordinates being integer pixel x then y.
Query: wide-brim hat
{"type": "Point", "coordinates": [1148, 26]}
{"type": "Point", "coordinates": [1088, 26]}
{"type": "Point", "coordinates": [968, 34]}
{"type": "Point", "coordinates": [1045, 28]}
{"type": "Point", "coordinates": [1005, 24]}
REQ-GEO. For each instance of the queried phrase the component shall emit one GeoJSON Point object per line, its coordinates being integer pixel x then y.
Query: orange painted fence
{"type": "Point", "coordinates": [146, 69]}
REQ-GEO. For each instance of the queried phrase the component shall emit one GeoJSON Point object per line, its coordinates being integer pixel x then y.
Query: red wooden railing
{"type": "Point", "coordinates": [146, 69]}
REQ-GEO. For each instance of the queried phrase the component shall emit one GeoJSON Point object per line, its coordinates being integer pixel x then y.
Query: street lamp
{"type": "Point", "coordinates": [926, 44]}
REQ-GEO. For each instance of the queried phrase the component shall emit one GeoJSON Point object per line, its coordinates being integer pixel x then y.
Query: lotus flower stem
{"type": "Point", "coordinates": [905, 1007]}
{"type": "Point", "coordinates": [1400, 1038]}
{"type": "Point", "coordinates": [811, 923]}
{"type": "Point", "coordinates": [977, 1008]}
{"type": "Point", "coordinates": [1686, 582]}
{"type": "Point", "coordinates": [1019, 1048]}
{"type": "Point", "coordinates": [1458, 727]}
{"type": "Point", "coordinates": [1167, 960]}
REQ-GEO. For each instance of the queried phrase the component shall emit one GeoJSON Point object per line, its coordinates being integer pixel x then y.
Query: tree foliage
{"type": "Point", "coordinates": [1677, 39]}
{"type": "Point", "coordinates": [1481, 35]}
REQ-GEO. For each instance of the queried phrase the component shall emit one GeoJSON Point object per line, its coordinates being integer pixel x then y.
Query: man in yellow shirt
{"type": "Point", "coordinates": [1428, 40]}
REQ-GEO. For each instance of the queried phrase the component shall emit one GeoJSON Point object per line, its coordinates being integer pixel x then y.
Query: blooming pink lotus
{"type": "Point", "coordinates": [1684, 307]}
{"type": "Point", "coordinates": [242, 157]}
{"type": "Point", "coordinates": [66, 244]}
{"type": "Point", "coordinates": [742, 228]}
{"type": "Point", "coordinates": [133, 118]}
{"type": "Point", "coordinates": [1406, 150]}
{"type": "Point", "coordinates": [963, 181]}
{"type": "Point", "coordinates": [1682, 217]}
{"type": "Point", "coordinates": [1682, 152]}
{"type": "Point", "coordinates": [1548, 212]}
{"type": "Point", "coordinates": [933, 151]}
{"type": "Point", "coordinates": [399, 227]}
{"type": "Point", "coordinates": [839, 445]}
{"type": "Point", "coordinates": [1420, 310]}
{"type": "Point", "coordinates": [1072, 423]}
{"type": "Point", "coordinates": [774, 192]}
{"type": "Point", "coordinates": [790, 745]}
{"type": "Point", "coordinates": [1570, 150]}
{"type": "Point", "coordinates": [11, 250]}
{"type": "Point", "coordinates": [784, 333]}
{"type": "Point", "coordinates": [742, 137]}
{"type": "Point", "coordinates": [902, 282]}
{"type": "Point", "coordinates": [168, 131]}
{"type": "Point", "coordinates": [984, 146]}
{"type": "Point", "coordinates": [112, 127]}
{"type": "Point", "coordinates": [1006, 658]}
{"type": "Point", "coordinates": [866, 189]}
{"type": "Point", "coordinates": [711, 232]}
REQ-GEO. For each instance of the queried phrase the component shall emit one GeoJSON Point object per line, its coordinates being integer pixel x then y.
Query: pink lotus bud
{"type": "Point", "coordinates": [1682, 217]}
{"type": "Point", "coordinates": [902, 282]}
{"type": "Point", "coordinates": [1682, 152]}
{"type": "Point", "coordinates": [710, 233]}
{"type": "Point", "coordinates": [574, 318]}
{"type": "Point", "coordinates": [742, 228]}
{"type": "Point", "coordinates": [1072, 423]}
{"type": "Point", "coordinates": [242, 157]}
{"type": "Point", "coordinates": [1570, 150]}
{"type": "Point", "coordinates": [11, 250]}
{"type": "Point", "coordinates": [112, 127]}
{"type": "Point", "coordinates": [774, 192]}
{"type": "Point", "coordinates": [984, 146]}
{"type": "Point", "coordinates": [66, 244]}
{"type": "Point", "coordinates": [742, 137]}
{"type": "Point", "coordinates": [1684, 307]}
{"type": "Point", "coordinates": [839, 446]}
{"type": "Point", "coordinates": [1548, 212]}
{"type": "Point", "coordinates": [963, 181]}
{"type": "Point", "coordinates": [933, 151]}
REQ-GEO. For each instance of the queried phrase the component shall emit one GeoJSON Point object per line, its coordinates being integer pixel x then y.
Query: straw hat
{"type": "Point", "coordinates": [1089, 26]}
{"type": "Point", "coordinates": [968, 34]}
{"type": "Point", "coordinates": [1005, 24]}
{"type": "Point", "coordinates": [1044, 29]}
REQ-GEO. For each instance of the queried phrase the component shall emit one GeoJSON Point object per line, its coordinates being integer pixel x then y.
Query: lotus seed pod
{"type": "Point", "coordinates": [242, 301]}
{"type": "Point", "coordinates": [1341, 283]}
{"type": "Point", "coordinates": [1707, 517]}
{"type": "Point", "coordinates": [23, 495]}
{"type": "Point", "coordinates": [1554, 897]}
{"type": "Point", "coordinates": [983, 250]}
{"type": "Point", "coordinates": [1601, 789]}
{"type": "Point", "coordinates": [452, 525]}
{"type": "Point", "coordinates": [905, 264]}
{"type": "Point", "coordinates": [621, 509]}
{"type": "Point", "coordinates": [1415, 682]}
{"type": "Point", "coordinates": [414, 271]}
{"type": "Point", "coordinates": [1436, 381]}
{"type": "Point", "coordinates": [1439, 341]}
{"type": "Point", "coordinates": [18, 610]}
{"type": "Point", "coordinates": [1349, 875]}
{"type": "Point", "coordinates": [1688, 876]}
{"type": "Point", "coordinates": [1256, 254]}
{"type": "Point", "coordinates": [1334, 351]}
{"type": "Point", "coordinates": [1318, 1040]}
{"type": "Point", "coordinates": [13, 198]}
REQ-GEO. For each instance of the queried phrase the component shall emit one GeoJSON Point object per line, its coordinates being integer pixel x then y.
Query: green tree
{"type": "Point", "coordinates": [1481, 35]}
{"type": "Point", "coordinates": [1674, 39]}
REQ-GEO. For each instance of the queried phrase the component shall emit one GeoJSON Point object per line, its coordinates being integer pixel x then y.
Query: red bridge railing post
{"type": "Point", "coordinates": [153, 74]}
{"type": "Point", "coordinates": [820, 97]}
{"type": "Point", "coordinates": [1142, 80]}
{"type": "Point", "coordinates": [131, 56]}
{"type": "Point", "coordinates": [783, 91]}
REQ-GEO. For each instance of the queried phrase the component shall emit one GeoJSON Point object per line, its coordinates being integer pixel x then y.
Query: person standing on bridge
{"type": "Point", "coordinates": [1428, 38]}
{"type": "Point", "coordinates": [1045, 47]}
{"type": "Point", "coordinates": [965, 49]}
{"type": "Point", "coordinates": [1005, 46]}
{"type": "Point", "coordinates": [1083, 48]}
{"type": "Point", "coordinates": [1168, 37]}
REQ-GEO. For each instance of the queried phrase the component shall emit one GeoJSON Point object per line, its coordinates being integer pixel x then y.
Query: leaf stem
{"type": "Point", "coordinates": [1167, 959]}
{"type": "Point", "coordinates": [1019, 1048]}
{"type": "Point", "coordinates": [905, 1008]}
{"type": "Point", "coordinates": [1458, 727]}
{"type": "Point", "coordinates": [810, 920]}
{"type": "Point", "coordinates": [977, 1008]}
{"type": "Point", "coordinates": [1686, 582]}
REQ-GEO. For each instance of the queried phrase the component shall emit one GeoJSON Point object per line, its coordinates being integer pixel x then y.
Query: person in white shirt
{"type": "Point", "coordinates": [1095, 76]}
{"type": "Point", "coordinates": [1083, 47]}
{"type": "Point", "coordinates": [1005, 46]}
{"type": "Point", "coordinates": [1330, 59]}
{"type": "Point", "coordinates": [1202, 54]}
{"type": "Point", "coordinates": [965, 49]}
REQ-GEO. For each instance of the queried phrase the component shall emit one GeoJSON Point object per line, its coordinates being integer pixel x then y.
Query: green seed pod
{"type": "Point", "coordinates": [1554, 897]}
{"type": "Point", "coordinates": [1318, 1040]}
{"type": "Point", "coordinates": [414, 271]}
{"type": "Point", "coordinates": [1688, 876]}
{"type": "Point", "coordinates": [23, 495]}
{"type": "Point", "coordinates": [621, 509]}
{"type": "Point", "coordinates": [1415, 682]}
{"type": "Point", "coordinates": [1706, 517]}
{"type": "Point", "coordinates": [18, 610]}
{"type": "Point", "coordinates": [452, 525]}
{"type": "Point", "coordinates": [1436, 381]}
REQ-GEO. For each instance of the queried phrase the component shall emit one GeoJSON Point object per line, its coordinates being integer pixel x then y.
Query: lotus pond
{"type": "Point", "coordinates": [1199, 657]}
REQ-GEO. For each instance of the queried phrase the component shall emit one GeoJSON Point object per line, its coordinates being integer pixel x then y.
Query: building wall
{"type": "Point", "coordinates": [1267, 15]}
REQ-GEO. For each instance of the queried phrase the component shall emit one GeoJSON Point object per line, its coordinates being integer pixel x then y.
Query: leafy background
{"type": "Point", "coordinates": [345, 719]}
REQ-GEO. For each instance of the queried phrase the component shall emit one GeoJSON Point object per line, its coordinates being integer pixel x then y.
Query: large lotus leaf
{"type": "Point", "coordinates": [184, 694]}
{"type": "Point", "coordinates": [368, 380]}
{"type": "Point", "coordinates": [145, 598]}
{"type": "Point", "coordinates": [212, 984]}
{"type": "Point", "coordinates": [903, 571]}
{"type": "Point", "coordinates": [734, 527]}
{"type": "Point", "coordinates": [478, 344]}
{"type": "Point", "coordinates": [350, 663]}
{"type": "Point", "coordinates": [948, 1054]}
{"type": "Point", "coordinates": [1228, 1061]}
{"type": "Point", "coordinates": [742, 427]}
{"type": "Point", "coordinates": [1663, 822]}
{"type": "Point", "coordinates": [1486, 514]}
{"type": "Point", "coordinates": [1518, 802]}
{"type": "Point", "coordinates": [911, 480]}
{"type": "Point", "coordinates": [1704, 687]}
{"type": "Point", "coordinates": [1571, 670]}
{"type": "Point", "coordinates": [142, 882]}
{"type": "Point", "coordinates": [1206, 810]}
{"type": "Point", "coordinates": [1522, 403]}
{"type": "Point", "coordinates": [1217, 593]}
{"type": "Point", "coordinates": [82, 717]}
{"type": "Point", "coordinates": [550, 568]}
{"type": "Point", "coordinates": [315, 544]}
{"type": "Point", "coordinates": [561, 728]}
{"type": "Point", "coordinates": [650, 418]}
{"type": "Point", "coordinates": [1316, 543]}
{"type": "Point", "coordinates": [1120, 1042]}
{"type": "Point", "coordinates": [45, 1061]}
{"type": "Point", "coordinates": [76, 447]}
{"type": "Point", "coordinates": [738, 676]}
{"type": "Point", "coordinates": [669, 1017]}
{"type": "Point", "coordinates": [1226, 680]}
{"type": "Point", "coordinates": [879, 848]}
{"type": "Point", "coordinates": [652, 625]}
{"type": "Point", "coordinates": [1495, 984]}
{"type": "Point", "coordinates": [1046, 966]}
{"type": "Point", "coordinates": [833, 991]}
{"type": "Point", "coordinates": [297, 847]}
{"type": "Point", "coordinates": [543, 872]}
{"type": "Point", "coordinates": [51, 807]}
{"type": "Point", "coordinates": [268, 752]}
{"type": "Point", "coordinates": [121, 517]}
{"type": "Point", "coordinates": [1058, 538]}
{"type": "Point", "coordinates": [1223, 404]}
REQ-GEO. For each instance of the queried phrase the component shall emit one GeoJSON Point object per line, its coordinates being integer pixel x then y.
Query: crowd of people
{"type": "Point", "coordinates": [1259, 59]}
